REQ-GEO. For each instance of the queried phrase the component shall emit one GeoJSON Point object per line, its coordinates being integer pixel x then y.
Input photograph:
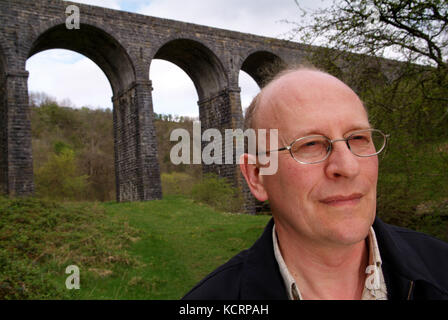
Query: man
{"type": "Point", "coordinates": [324, 241]}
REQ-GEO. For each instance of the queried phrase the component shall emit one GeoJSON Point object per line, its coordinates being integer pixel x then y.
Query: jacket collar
{"type": "Point", "coordinates": [261, 278]}
{"type": "Point", "coordinates": [401, 263]}
{"type": "Point", "coordinates": [398, 253]}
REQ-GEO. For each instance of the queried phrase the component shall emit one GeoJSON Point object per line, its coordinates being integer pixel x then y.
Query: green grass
{"type": "Point", "coordinates": [140, 250]}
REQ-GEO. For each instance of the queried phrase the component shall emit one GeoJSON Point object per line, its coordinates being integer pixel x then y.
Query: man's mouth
{"type": "Point", "coordinates": [342, 200]}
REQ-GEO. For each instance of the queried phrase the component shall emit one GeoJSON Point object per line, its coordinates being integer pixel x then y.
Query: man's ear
{"type": "Point", "coordinates": [251, 172]}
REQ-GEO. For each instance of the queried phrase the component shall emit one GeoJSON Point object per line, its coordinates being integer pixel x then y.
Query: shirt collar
{"type": "Point", "coordinates": [374, 252]}
{"type": "Point", "coordinates": [290, 284]}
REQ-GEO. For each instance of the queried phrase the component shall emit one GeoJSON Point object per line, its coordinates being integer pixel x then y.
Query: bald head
{"type": "Point", "coordinates": [290, 90]}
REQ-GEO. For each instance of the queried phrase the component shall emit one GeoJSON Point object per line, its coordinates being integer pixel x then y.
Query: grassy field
{"type": "Point", "coordinates": [141, 250]}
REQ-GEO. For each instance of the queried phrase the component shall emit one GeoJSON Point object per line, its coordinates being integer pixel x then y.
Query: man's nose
{"type": "Point", "coordinates": [342, 162]}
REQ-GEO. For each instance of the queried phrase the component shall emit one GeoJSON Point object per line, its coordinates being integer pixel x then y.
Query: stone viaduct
{"type": "Point", "coordinates": [123, 45]}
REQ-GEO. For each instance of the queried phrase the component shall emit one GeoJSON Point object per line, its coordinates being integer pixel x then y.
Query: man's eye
{"type": "Point", "coordinates": [312, 145]}
{"type": "Point", "coordinates": [360, 137]}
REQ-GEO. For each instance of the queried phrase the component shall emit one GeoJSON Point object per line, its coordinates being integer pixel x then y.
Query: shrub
{"type": "Point", "coordinates": [177, 183]}
{"type": "Point", "coordinates": [218, 193]}
{"type": "Point", "coordinates": [58, 178]}
{"type": "Point", "coordinates": [413, 179]}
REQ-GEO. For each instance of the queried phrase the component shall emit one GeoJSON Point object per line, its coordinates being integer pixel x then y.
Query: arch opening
{"type": "Point", "coordinates": [70, 143]}
{"type": "Point", "coordinates": [136, 178]}
{"type": "Point", "coordinates": [174, 98]}
{"type": "Point", "coordinates": [214, 103]}
{"type": "Point", "coordinates": [97, 45]}
{"type": "Point", "coordinates": [198, 62]}
{"type": "Point", "coordinates": [60, 74]}
{"type": "Point", "coordinates": [262, 66]}
{"type": "Point", "coordinates": [173, 90]}
{"type": "Point", "coordinates": [257, 69]}
{"type": "Point", "coordinates": [249, 89]}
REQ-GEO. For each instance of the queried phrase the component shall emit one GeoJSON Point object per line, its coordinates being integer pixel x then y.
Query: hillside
{"type": "Point", "coordinates": [145, 250]}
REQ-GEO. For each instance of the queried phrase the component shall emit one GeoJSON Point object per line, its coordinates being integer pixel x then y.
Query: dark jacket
{"type": "Point", "coordinates": [415, 266]}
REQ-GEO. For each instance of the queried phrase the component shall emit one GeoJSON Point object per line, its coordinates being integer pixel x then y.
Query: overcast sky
{"type": "Point", "coordinates": [67, 75]}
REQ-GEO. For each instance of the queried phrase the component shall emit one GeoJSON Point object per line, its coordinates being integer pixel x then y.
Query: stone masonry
{"type": "Point", "coordinates": [123, 45]}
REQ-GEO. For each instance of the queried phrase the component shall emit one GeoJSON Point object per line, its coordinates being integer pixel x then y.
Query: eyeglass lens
{"type": "Point", "coordinates": [315, 148]}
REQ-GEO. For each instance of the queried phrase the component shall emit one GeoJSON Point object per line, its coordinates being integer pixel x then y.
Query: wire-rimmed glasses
{"type": "Point", "coordinates": [317, 148]}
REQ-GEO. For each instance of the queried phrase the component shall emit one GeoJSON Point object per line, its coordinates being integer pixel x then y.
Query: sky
{"type": "Point", "coordinates": [64, 74]}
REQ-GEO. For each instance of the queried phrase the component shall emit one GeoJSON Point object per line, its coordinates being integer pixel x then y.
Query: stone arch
{"type": "Point", "coordinates": [137, 175]}
{"type": "Point", "coordinates": [92, 41]}
{"type": "Point", "coordinates": [3, 124]}
{"type": "Point", "coordinates": [199, 62]}
{"type": "Point", "coordinates": [262, 65]}
{"type": "Point", "coordinates": [16, 170]}
{"type": "Point", "coordinates": [7, 55]}
{"type": "Point", "coordinates": [219, 104]}
{"type": "Point", "coordinates": [3, 63]}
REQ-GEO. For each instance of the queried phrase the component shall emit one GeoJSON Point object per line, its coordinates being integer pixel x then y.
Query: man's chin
{"type": "Point", "coordinates": [350, 229]}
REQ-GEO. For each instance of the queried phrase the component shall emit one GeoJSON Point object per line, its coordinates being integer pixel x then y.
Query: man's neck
{"type": "Point", "coordinates": [325, 272]}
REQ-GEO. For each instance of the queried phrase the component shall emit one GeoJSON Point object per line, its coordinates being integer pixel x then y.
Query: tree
{"type": "Point", "coordinates": [414, 31]}
{"type": "Point", "coordinates": [357, 34]}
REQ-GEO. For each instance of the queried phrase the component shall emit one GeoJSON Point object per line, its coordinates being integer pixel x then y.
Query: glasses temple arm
{"type": "Point", "coordinates": [281, 149]}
